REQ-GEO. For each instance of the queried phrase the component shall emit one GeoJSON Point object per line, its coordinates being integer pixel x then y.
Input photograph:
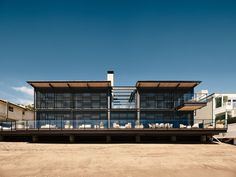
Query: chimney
{"type": "Point", "coordinates": [110, 77]}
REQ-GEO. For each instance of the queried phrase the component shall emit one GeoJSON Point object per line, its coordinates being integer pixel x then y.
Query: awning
{"type": "Point", "coordinates": [167, 84]}
{"type": "Point", "coordinates": [70, 84]}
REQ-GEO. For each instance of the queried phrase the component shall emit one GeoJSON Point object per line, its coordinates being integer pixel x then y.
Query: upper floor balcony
{"type": "Point", "coordinates": [191, 102]}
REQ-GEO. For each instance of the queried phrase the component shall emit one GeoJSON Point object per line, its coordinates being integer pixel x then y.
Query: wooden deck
{"type": "Point", "coordinates": [96, 132]}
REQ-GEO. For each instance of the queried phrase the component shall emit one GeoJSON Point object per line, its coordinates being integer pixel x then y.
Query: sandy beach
{"type": "Point", "coordinates": [106, 160]}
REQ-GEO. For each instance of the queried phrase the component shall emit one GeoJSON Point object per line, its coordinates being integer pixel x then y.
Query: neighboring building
{"type": "Point", "coordinates": [92, 103]}
{"type": "Point", "coordinates": [11, 111]}
{"type": "Point", "coordinates": [219, 108]}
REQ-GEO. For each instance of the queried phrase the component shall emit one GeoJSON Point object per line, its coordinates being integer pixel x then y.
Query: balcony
{"type": "Point", "coordinates": [191, 102]}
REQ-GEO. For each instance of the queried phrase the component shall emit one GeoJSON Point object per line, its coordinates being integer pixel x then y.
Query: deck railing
{"type": "Point", "coordinates": [191, 98]}
{"type": "Point", "coordinates": [86, 124]}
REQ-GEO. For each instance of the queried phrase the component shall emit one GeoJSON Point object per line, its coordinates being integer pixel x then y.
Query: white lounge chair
{"type": "Point", "coordinates": [196, 125]}
{"type": "Point", "coordinates": [162, 125]}
{"type": "Point", "coordinates": [116, 125]}
{"type": "Point", "coordinates": [128, 125]}
{"type": "Point", "coordinates": [150, 125]}
{"type": "Point", "coordinates": [47, 126]}
{"type": "Point", "coordinates": [182, 126]}
{"type": "Point", "coordinates": [139, 126]}
{"type": "Point", "coordinates": [85, 126]}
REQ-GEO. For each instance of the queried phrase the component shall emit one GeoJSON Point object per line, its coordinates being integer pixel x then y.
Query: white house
{"type": "Point", "coordinates": [11, 111]}
{"type": "Point", "coordinates": [220, 107]}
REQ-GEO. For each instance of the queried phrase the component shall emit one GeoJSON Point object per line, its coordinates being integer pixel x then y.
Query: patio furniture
{"type": "Point", "coordinates": [96, 126]}
{"type": "Point", "coordinates": [68, 125]}
{"type": "Point", "coordinates": [182, 126]}
{"type": "Point", "coordinates": [139, 126]}
{"type": "Point", "coordinates": [116, 125]}
{"type": "Point", "coordinates": [196, 125]}
{"type": "Point", "coordinates": [151, 126]}
{"type": "Point", "coordinates": [162, 125]}
{"type": "Point", "coordinates": [128, 125]}
{"type": "Point", "coordinates": [101, 125]}
{"type": "Point", "coordinates": [167, 125]}
{"type": "Point", "coordinates": [84, 126]}
{"type": "Point", "coordinates": [47, 126]}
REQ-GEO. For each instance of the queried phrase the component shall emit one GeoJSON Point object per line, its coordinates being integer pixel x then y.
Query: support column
{"type": "Point", "coordinates": [203, 138]}
{"type": "Point", "coordinates": [173, 139]}
{"type": "Point", "coordinates": [234, 141]}
{"type": "Point", "coordinates": [226, 119]}
{"type": "Point", "coordinates": [72, 138]}
{"type": "Point", "coordinates": [108, 138]}
{"type": "Point", "coordinates": [138, 106]}
{"type": "Point", "coordinates": [137, 139]}
{"type": "Point", "coordinates": [35, 139]}
{"type": "Point", "coordinates": [109, 110]}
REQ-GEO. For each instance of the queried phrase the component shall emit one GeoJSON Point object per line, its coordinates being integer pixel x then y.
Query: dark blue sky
{"type": "Point", "coordinates": [139, 40]}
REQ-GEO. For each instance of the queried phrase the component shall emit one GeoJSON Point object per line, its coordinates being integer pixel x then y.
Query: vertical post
{"type": "Point", "coordinates": [49, 124]}
{"type": "Point", "coordinates": [213, 110]}
{"type": "Point", "coordinates": [34, 138]}
{"type": "Point", "coordinates": [138, 106]}
{"type": "Point", "coordinates": [108, 138]}
{"type": "Point", "coordinates": [226, 118]}
{"type": "Point", "coordinates": [203, 138]}
{"type": "Point", "coordinates": [35, 101]}
{"type": "Point", "coordinates": [173, 139]}
{"type": "Point", "coordinates": [1, 138]}
{"type": "Point", "coordinates": [109, 109]}
{"type": "Point", "coordinates": [61, 123]}
{"type": "Point", "coordinates": [72, 138]}
{"type": "Point", "coordinates": [234, 141]}
{"type": "Point", "coordinates": [137, 138]}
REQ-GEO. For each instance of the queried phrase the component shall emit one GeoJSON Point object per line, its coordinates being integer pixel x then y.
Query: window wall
{"type": "Point", "coordinates": [71, 99]}
{"type": "Point", "coordinates": [91, 100]}
{"type": "Point", "coordinates": [162, 98]}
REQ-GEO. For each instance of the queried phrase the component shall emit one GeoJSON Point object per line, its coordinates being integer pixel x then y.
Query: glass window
{"type": "Point", "coordinates": [218, 102]}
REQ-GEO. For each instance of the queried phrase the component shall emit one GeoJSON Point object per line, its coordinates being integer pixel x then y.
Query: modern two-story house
{"type": "Point", "coordinates": [99, 108]}
{"type": "Point", "coordinates": [93, 103]}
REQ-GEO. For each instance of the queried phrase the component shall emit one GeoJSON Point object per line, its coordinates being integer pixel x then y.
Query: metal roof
{"type": "Point", "coordinates": [167, 84]}
{"type": "Point", "coordinates": [70, 84]}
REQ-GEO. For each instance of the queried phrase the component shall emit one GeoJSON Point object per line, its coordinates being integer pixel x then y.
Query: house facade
{"type": "Point", "coordinates": [100, 103]}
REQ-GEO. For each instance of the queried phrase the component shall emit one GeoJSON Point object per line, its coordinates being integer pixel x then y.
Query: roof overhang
{"type": "Point", "coordinates": [167, 84]}
{"type": "Point", "coordinates": [70, 84]}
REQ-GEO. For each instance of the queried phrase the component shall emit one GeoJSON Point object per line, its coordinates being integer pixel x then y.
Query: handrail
{"type": "Point", "coordinates": [84, 124]}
